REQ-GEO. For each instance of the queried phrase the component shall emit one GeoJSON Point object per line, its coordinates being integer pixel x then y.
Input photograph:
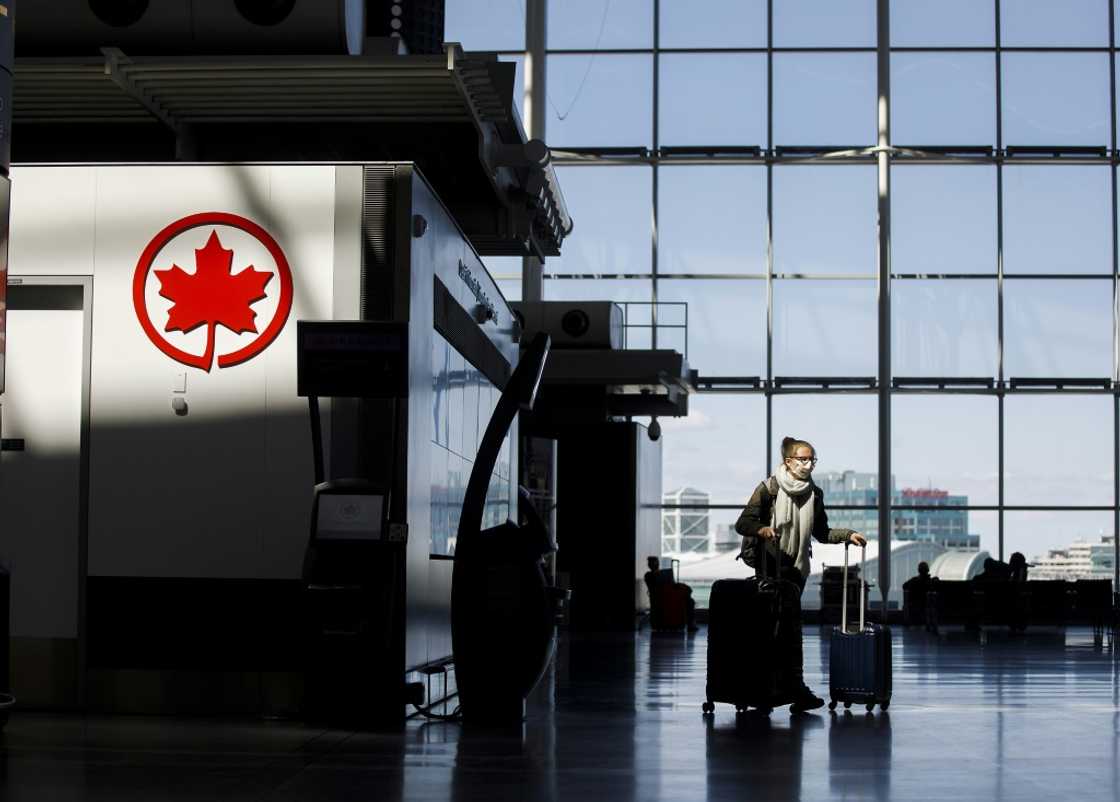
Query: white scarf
{"type": "Point", "coordinates": [792, 517]}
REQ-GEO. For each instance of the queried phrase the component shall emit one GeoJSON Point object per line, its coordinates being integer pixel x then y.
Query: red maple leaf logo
{"type": "Point", "coordinates": [213, 295]}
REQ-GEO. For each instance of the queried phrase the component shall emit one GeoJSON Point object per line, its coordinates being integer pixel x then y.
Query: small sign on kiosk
{"type": "Point", "coordinates": [352, 359]}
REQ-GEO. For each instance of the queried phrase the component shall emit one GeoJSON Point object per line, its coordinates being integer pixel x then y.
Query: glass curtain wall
{"type": "Point", "coordinates": [721, 156]}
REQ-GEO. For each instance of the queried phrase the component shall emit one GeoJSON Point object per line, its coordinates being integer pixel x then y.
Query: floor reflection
{"type": "Point", "coordinates": [618, 717]}
{"type": "Point", "coordinates": [764, 753]}
{"type": "Point", "coordinates": [859, 754]}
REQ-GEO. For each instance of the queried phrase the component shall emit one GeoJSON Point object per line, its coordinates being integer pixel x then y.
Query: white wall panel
{"type": "Point", "coordinates": [223, 491]}
{"type": "Point", "coordinates": [44, 239]}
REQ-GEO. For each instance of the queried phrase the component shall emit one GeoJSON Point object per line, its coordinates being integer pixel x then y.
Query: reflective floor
{"type": "Point", "coordinates": [1035, 717]}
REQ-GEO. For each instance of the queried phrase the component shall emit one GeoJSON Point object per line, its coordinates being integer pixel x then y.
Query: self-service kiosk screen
{"type": "Point", "coordinates": [349, 516]}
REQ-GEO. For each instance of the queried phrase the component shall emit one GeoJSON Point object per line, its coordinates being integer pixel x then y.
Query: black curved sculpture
{"type": "Point", "coordinates": [503, 612]}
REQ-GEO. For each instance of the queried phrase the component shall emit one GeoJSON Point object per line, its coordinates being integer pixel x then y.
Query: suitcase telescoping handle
{"type": "Point", "coordinates": [763, 559]}
{"type": "Point", "coordinates": [844, 596]}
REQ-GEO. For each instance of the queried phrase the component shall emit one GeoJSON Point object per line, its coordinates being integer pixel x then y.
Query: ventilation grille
{"type": "Point", "coordinates": [377, 242]}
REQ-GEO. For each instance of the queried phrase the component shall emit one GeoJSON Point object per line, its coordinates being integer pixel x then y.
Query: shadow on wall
{"type": "Point", "coordinates": [197, 528]}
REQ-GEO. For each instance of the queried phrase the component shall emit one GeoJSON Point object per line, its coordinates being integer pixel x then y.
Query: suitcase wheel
{"type": "Point", "coordinates": [870, 706]}
{"type": "Point", "coordinates": [884, 705]}
{"type": "Point", "coordinates": [847, 705]}
{"type": "Point", "coordinates": [708, 708]}
{"type": "Point", "coordinates": [832, 705]}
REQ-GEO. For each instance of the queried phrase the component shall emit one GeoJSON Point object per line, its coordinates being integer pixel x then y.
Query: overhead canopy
{"type": "Point", "coordinates": [453, 114]}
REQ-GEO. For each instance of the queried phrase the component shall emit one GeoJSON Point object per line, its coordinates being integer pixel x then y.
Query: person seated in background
{"type": "Point", "coordinates": [994, 571]}
{"type": "Point", "coordinates": [665, 591]}
{"type": "Point", "coordinates": [1017, 567]}
{"type": "Point", "coordinates": [914, 592]}
{"type": "Point", "coordinates": [922, 580]}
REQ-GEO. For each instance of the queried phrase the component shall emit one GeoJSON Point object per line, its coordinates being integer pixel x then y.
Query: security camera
{"type": "Point", "coordinates": [654, 430]}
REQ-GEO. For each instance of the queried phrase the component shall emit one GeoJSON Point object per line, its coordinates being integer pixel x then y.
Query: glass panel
{"type": "Point", "coordinates": [718, 449]}
{"type": "Point", "coordinates": [726, 325]}
{"type": "Point", "coordinates": [1058, 328]}
{"type": "Point", "coordinates": [948, 444]}
{"type": "Point", "coordinates": [716, 99]}
{"type": "Point", "coordinates": [825, 328]}
{"type": "Point", "coordinates": [441, 388]}
{"type": "Point", "coordinates": [504, 267]}
{"type": "Point", "coordinates": [600, 100]}
{"type": "Point", "coordinates": [943, 99]}
{"type": "Point", "coordinates": [518, 81]}
{"type": "Point", "coordinates": [1029, 23]}
{"type": "Point", "coordinates": [456, 400]}
{"type": "Point", "coordinates": [612, 209]}
{"type": "Point", "coordinates": [825, 220]}
{"type": "Point", "coordinates": [824, 23]}
{"type": "Point", "coordinates": [593, 24]}
{"type": "Point", "coordinates": [825, 99]}
{"type": "Point", "coordinates": [843, 430]}
{"type": "Point", "coordinates": [944, 327]}
{"type": "Point", "coordinates": [617, 290]}
{"type": "Point", "coordinates": [506, 272]}
{"type": "Point", "coordinates": [439, 505]}
{"type": "Point", "coordinates": [714, 455]}
{"type": "Point", "coordinates": [511, 289]}
{"type": "Point", "coordinates": [1056, 99]}
{"type": "Point", "coordinates": [946, 23]}
{"type": "Point", "coordinates": [1062, 545]}
{"type": "Point", "coordinates": [458, 473]}
{"type": "Point", "coordinates": [1058, 450]}
{"type": "Point", "coordinates": [485, 24]}
{"type": "Point", "coordinates": [712, 219]}
{"type": "Point", "coordinates": [472, 380]}
{"type": "Point", "coordinates": [943, 219]}
{"type": "Point", "coordinates": [1057, 220]}
{"type": "Point", "coordinates": [700, 571]}
{"type": "Point", "coordinates": [716, 23]}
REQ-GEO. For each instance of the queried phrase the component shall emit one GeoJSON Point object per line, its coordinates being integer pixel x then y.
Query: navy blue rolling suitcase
{"type": "Point", "coordinates": [859, 662]}
{"type": "Point", "coordinates": [749, 622]}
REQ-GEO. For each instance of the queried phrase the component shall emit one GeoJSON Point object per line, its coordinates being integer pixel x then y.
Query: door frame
{"type": "Point", "coordinates": [85, 282]}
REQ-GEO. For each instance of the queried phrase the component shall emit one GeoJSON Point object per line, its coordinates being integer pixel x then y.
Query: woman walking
{"type": "Point", "coordinates": [784, 515]}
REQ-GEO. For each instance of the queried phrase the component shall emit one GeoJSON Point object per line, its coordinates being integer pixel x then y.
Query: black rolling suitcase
{"type": "Point", "coordinates": [749, 621]}
{"type": "Point", "coordinates": [859, 661]}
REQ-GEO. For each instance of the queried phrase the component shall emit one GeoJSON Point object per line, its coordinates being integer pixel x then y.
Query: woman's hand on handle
{"type": "Point", "coordinates": [856, 539]}
{"type": "Point", "coordinates": [767, 532]}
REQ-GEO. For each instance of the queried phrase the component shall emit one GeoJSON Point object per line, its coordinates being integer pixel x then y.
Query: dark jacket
{"type": "Point", "coordinates": [757, 515]}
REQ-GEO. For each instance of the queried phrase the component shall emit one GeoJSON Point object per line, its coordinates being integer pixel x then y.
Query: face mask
{"type": "Point", "coordinates": [800, 470]}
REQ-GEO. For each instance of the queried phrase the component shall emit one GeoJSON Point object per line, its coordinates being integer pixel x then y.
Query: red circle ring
{"type": "Point", "coordinates": [140, 279]}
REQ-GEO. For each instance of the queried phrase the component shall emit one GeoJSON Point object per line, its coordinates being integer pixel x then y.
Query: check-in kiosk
{"type": "Point", "coordinates": [353, 570]}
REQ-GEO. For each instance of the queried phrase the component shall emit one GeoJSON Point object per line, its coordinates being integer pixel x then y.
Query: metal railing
{"type": "Point", "coordinates": [654, 326]}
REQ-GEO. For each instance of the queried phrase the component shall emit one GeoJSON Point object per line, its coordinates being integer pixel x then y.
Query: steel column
{"type": "Point", "coordinates": [884, 265]}
{"type": "Point", "coordinates": [534, 113]}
